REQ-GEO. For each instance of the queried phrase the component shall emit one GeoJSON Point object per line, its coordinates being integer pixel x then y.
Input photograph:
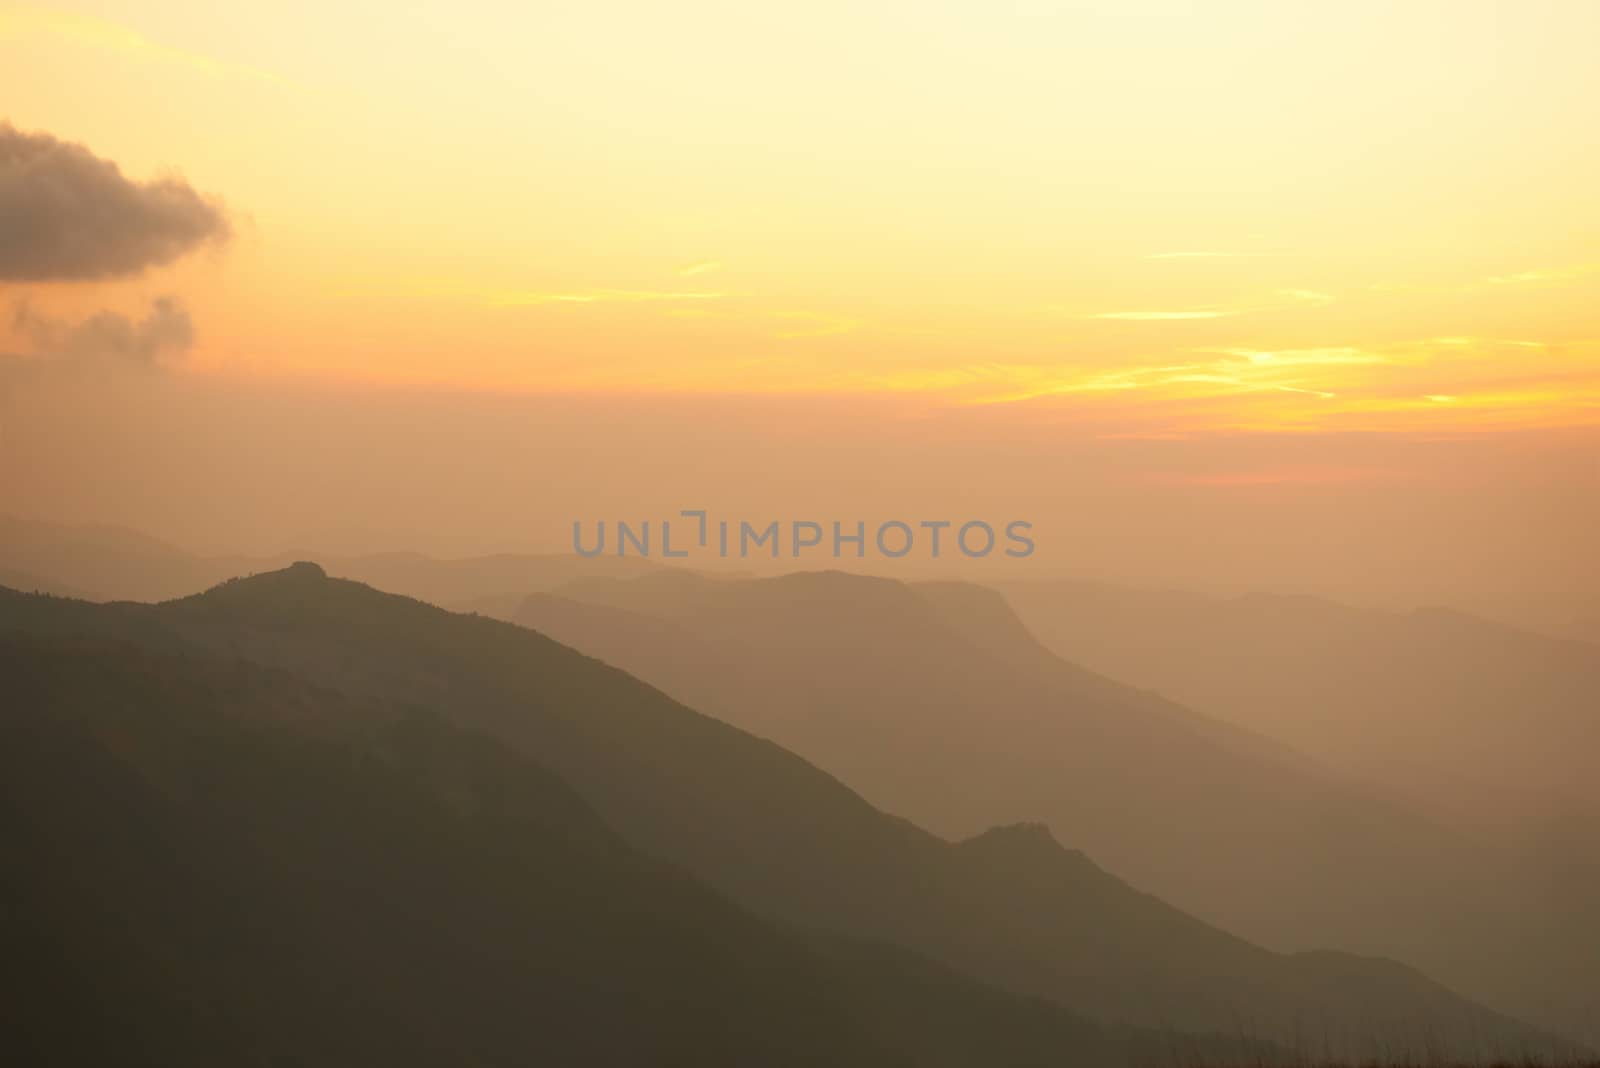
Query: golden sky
{"type": "Point", "coordinates": [1053, 223]}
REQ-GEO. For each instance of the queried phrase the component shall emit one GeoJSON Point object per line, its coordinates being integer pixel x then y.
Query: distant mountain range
{"type": "Point", "coordinates": [285, 736]}
{"type": "Point", "coordinates": [1482, 721]}
{"type": "Point", "coordinates": [936, 702]}
{"type": "Point", "coordinates": [1489, 727]}
{"type": "Point", "coordinates": [107, 563]}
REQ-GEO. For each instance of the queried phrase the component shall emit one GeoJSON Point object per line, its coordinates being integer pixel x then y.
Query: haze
{"type": "Point", "coordinates": [1243, 296]}
{"type": "Point", "coordinates": [1270, 328]}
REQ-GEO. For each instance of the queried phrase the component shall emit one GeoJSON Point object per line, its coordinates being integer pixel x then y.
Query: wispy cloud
{"type": "Point", "coordinates": [1460, 384]}
{"type": "Point", "coordinates": [703, 267]}
{"type": "Point", "coordinates": [1535, 277]}
{"type": "Point", "coordinates": [166, 332]}
{"type": "Point", "coordinates": [1488, 341]}
{"type": "Point", "coordinates": [1311, 474]}
{"type": "Point", "coordinates": [1157, 316]}
{"type": "Point", "coordinates": [1531, 279]}
{"type": "Point", "coordinates": [90, 32]}
{"type": "Point", "coordinates": [517, 298]}
{"type": "Point", "coordinates": [812, 324]}
{"type": "Point", "coordinates": [1278, 299]}
{"type": "Point", "coordinates": [1306, 296]}
{"type": "Point", "coordinates": [1309, 357]}
{"type": "Point", "coordinates": [1410, 385]}
{"type": "Point", "coordinates": [1208, 255]}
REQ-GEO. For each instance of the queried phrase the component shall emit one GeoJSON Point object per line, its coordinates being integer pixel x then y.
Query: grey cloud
{"type": "Point", "coordinates": [165, 331]}
{"type": "Point", "coordinates": [66, 214]}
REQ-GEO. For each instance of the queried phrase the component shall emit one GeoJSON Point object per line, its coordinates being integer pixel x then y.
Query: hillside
{"type": "Point", "coordinates": [787, 840]}
{"type": "Point", "coordinates": [214, 863]}
{"type": "Point", "coordinates": [1489, 723]}
{"type": "Point", "coordinates": [936, 702]}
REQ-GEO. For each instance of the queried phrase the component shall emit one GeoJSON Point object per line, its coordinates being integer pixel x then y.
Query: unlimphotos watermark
{"type": "Point", "coordinates": [893, 539]}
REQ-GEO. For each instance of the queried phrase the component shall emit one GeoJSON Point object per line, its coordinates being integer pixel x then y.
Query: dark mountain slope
{"type": "Point", "coordinates": [782, 837]}
{"type": "Point", "coordinates": [213, 863]}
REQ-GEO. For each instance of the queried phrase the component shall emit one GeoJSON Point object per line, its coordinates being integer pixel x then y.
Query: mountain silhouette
{"type": "Point", "coordinates": [1482, 720]}
{"type": "Point", "coordinates": [1489, 727]}
{"type": "Point", "coordinates": [936, 702]}
{"type": "Point", "coordinates": [780, 837]}
{"type": "Point", "coordinates": [211, 862]}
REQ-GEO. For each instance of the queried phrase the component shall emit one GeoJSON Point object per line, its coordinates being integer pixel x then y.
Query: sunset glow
{"type": "Point", "coordinates": [1073, 225]}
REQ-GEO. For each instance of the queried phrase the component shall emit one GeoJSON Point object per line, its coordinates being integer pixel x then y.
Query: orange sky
{"type": "Point", "coordinates": [1075, 231]}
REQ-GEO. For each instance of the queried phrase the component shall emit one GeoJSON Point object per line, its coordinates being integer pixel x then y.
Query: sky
{"type": "Point", "coordinates": [1249, 294]}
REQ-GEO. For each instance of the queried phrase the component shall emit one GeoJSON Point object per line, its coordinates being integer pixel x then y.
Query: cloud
{"type": "Point", "coordinates": [812, 324]}
{"type": "Point", "coordinates": [90, 32]}
{"type": "Point", "coordinates": [1489, 341]}
{"type": "Point", "coordinates": [597, 296]}
{"type": "Point", "coordinates": [1557, 275]}
{"type": "Point", "coordinates": [1306, 296]}
{"type": "Point", "coordinates": [1282, 298]}
{"type": "Point", "coordinates": [165, 331]}
{"type": "Point", "coordinates": [68, 215]}
{"type": "Point", "coordinates": [1204, 255]}
{"type": "Point", "coordinates": [1531, 279]}
{"type": "Point", "coordinates": [1314, 357]}
{"type": "Point", "coordinates": [1158, 316]}
{"type": "Point", "coordinates": [703, 267]}
{"type": "Point", "coordinates": [1313, 475]}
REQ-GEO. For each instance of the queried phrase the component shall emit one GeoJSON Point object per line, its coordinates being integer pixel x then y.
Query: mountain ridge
{"type": "Point", "coordinates": [250, 858]}
{"type": "Point", "coordinates": [957, 722]}
{"type": "Point", "coordinates": [755, 822]}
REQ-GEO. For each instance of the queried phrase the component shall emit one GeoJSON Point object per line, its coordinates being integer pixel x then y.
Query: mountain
{"type": "Point", "coordinates": [1572, 613]}
{"type": "Point", "coordinates": [108, 563]}
{"type": "Point", "coordinates": [1009, 907]}
{"type": "Point", "coordinates": [936, 702]}
{"type": "Point", "coordinates": [1482, 721]}
{"type": "Point", "coordinates": [462, 581]}
{"type": "Point", "coordinates": [105, 561]}
{"type": "Point", "coordinates": [211, 862]}
{"type": "Point", "coordinates": [1489, 726]}
{"type": "Point", "coordinates": [30, 583]}
{"type": "Point", "coordinates": [1582, 629]}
